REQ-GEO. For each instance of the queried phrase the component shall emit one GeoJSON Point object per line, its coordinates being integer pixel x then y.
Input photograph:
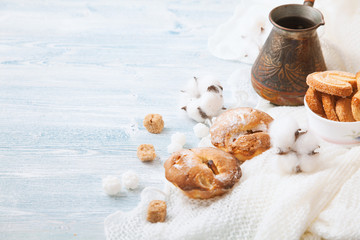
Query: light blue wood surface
{"type": "Point", "coordinates": [76, 80]}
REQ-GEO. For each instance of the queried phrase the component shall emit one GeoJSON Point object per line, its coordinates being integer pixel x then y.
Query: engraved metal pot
{"type": "Point", "coordinates": [288, 56]}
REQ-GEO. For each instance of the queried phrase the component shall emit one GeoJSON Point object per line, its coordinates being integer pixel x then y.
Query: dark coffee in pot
{"type": "Point", "coordinates": [295, 22]}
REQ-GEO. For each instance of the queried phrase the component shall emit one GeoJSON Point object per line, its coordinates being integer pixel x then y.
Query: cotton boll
{"type": "Point", "coordinates": [111, 185]}
{"type": "Point", "coordinates": [184, 99]}
{"type": "Point", "coordinates": [286, 164]}
{"type": "Point", "coordinates": [130, 180]}
{"type": "Point", "coordinates": [193, 111]}
{"type": "Point", "coordinates": [309, 163]}
{"type": "Point", "coordinates": [205, 82]}
{"type": "Point", "coordinates": [179, 138]}
{"type": "Point", "coordinates": [306, 143]}
{"type": "Point", "coordinates": [201, 130]}
{"type": "Point", "coordinates": [282, 133]}
{"type": "Point", "coordinates": [174, 147]}
{"type": "Point", "coordinates": [192, 89]}
{"type": "Point", "coordinates": [211, 103]}
{"type": "Point", "coordinates": [205, 142]}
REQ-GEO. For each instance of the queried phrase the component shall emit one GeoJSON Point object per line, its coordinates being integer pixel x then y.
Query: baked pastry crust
{"type": "Point", "coordinates": [329, 106]}
{"type": "Point", "coordinates": [313, 100]}
{"type": "Point", "coordinates": [343, 76]}
{"type": "Point", "coordinates": [343, 110]}
{"type": "Point", "coordinates": [355, 106]}
{"type": "Point", "coordinates": [242, 132]}
{"type": "Point", "coordinates": [202, 172]}
{"type": "Point", "coordinates": [331, 82]}
{"type": "Point", "coordinates": [357, 77]}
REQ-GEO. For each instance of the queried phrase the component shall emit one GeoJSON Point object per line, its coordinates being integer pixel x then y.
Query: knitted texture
{"type": "Point", "coordinates": [263, 205]}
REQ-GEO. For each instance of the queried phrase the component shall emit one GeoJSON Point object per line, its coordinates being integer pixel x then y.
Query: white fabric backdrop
{"type": "Point", "coordinates": [240, 38]}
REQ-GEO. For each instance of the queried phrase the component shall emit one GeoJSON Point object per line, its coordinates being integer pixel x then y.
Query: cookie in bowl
{"type": "Point", "coordinates": [202, 173]}
{"type": "Point", "coordinates": [332, 104]}
{"type": "Point", "coordinates": [242, 132]}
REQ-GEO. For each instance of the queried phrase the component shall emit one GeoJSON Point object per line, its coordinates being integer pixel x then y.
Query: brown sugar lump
{"type": "Point", "coordinates": [146, 152]}
{"type": "Point", "coordinates": [156, 211]}
{"type": "Point", "coordinates": [153, 123]}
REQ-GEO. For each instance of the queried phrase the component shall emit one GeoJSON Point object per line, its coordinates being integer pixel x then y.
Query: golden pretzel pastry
{"type": "Point", "coordinates": [313, 100]}
{"type": "Point", "coordinates": [330, 83]}
{"type": "Point", "coordinates": [329, 106]}
{"type": "Point", "coordinates": [355, 106]}
{"type": "Point", "coordinates": [242, 132]}
{"type": "Point", "coordinates": [343, 110]}
{"type": "Point", "coordinates": [202, 172]}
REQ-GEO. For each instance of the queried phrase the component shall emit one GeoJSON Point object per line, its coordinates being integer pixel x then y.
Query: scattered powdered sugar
{"type": "Point", "coordinates": [111, 185]}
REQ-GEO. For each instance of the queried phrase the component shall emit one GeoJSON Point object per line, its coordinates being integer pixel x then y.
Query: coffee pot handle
{"type": "Point", "coordinates": [309, 3]}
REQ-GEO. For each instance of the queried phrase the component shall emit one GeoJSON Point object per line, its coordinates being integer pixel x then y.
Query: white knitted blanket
{"type": "Point", "coordinates": [263, 205]}
{"type": "Point", "coordinates": [266, 204]}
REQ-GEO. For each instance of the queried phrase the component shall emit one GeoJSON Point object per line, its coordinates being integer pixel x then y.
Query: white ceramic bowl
{"type": "Point", "coordinates": [344, 133]}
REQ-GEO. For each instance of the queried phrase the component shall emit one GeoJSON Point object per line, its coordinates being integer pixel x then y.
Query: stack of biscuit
{"type": "Point", "coordinates": [334, 95]}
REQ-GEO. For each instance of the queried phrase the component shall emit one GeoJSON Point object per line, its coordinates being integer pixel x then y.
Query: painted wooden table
{"type": "Point", "coordinates": [76, 80]}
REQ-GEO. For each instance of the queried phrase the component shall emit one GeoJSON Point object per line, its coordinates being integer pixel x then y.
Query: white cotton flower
{"type": "Point", "coordinates": [130, 179]}
{"type": "Point", "coordinates": [192, 89]}
{"type": "Point", "coordinates": [309, 163]}
{"type": "Point", "coordinates": [174, 147]}
{"type": "Point", "coordinates": [111, 185]}
{"type": "Point", "coordinates": [286, 164]}
{"type": "Point", "coordinates": [192, 109]}
{"type": "Point", "coordinates": [179, 138]}
{"type": "Point", "coordinates": [306, 143]}
{"type": "Point", "coordinates": [202, 98]}
{"type": "Point", "coordinates": [211, 103]}
{"type": "Point", "coordinates": [282, 133]}
{"type": "Point", "coordinates": [201, 130]}
{"type": "Point", "coordinates": [205, 82]}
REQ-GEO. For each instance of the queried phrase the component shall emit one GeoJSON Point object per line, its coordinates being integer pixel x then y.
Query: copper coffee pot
{"type": "Point", "coordinates": [290, 53]}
